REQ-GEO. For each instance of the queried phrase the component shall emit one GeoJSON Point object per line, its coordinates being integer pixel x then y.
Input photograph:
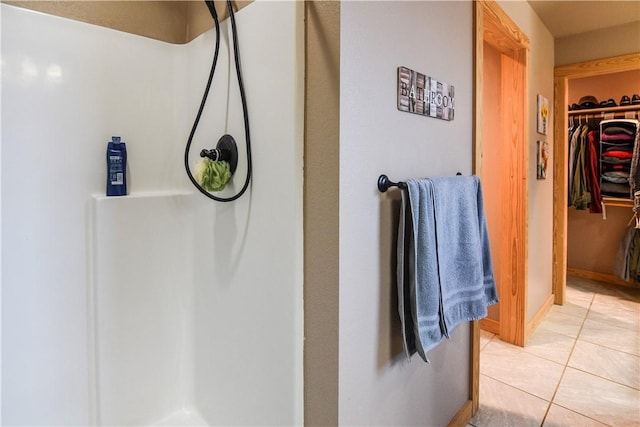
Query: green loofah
{"type": "Point", "coordinates": [212, 176]}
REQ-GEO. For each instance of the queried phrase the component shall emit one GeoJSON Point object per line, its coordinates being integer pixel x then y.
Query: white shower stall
{"type": "Point", "coordinates": [161, 307]}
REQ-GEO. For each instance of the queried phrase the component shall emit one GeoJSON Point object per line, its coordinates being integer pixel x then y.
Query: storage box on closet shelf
{"type": "Point", "coordinates": [614, 168]}
{"type": "Point", "coordinates": [619, 165]}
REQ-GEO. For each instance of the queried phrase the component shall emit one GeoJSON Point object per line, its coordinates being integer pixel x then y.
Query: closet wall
{"type": "Point", "coordinates": [592, 242]}
{"type": "Point", "coordinates": [605, 86]}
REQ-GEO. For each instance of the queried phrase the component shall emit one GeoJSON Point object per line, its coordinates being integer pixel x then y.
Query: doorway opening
{"type": "Point", "coordinates": [562, 76]}
{"type": "Point", "coordinates": [501, 157]}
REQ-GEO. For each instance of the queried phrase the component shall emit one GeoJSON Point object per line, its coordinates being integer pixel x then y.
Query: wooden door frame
{"type": "Point", "coordinates": [494, 26]}
{"type": "Point", "coordinates": [562, 75]}
{"type": "Point", "coordinates": [498, 30]}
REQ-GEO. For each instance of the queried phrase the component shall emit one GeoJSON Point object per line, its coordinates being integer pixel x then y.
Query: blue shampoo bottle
{"type": "Point", "coordinates": [116, 167]}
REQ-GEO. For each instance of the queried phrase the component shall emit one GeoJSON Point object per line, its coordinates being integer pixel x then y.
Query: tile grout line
{"type": "Point", "coordinates": [514, 387]}
{"type": "Point", "coordinates": [598, 344]}
{"type": "Point", "coordinates": [592, 306]}
{"type": "Point", "coordinates": [566, 364]}
{"type": "Point", "coordinates": [583, 415]}
{"type": "Point", "coordinates": [604, 378]}
{"type": "Point", "coordinates": [609, 348]}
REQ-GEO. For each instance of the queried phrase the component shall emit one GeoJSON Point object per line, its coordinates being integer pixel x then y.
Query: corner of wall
{"type": "Point", "coordinates": [175, 22]}
{"type": "Point", "coordinates": [321, 212]}
{"type": "Point", "coordinates": [199, 20]}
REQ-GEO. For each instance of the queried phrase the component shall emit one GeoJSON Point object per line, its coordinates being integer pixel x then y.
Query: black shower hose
{"type": "Point", "coordinates": [214, 15]}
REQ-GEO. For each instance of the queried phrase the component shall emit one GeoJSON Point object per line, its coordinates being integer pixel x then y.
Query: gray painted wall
{"type": "Point", "coordinates": [613, 41]}
{"type": "Point", "coordinates": [540, 218]}
{"type": "Point", "coordinates": [377, 386]}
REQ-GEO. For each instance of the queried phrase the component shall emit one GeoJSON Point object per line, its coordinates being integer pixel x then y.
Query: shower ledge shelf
{"type": "Point", "coordinates": [145, 194]}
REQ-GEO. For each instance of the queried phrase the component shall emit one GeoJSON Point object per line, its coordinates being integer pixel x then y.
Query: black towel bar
{"type": "Point", "coordinates": [384, 183]}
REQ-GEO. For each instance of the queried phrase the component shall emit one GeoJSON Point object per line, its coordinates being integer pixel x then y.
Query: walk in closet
{"type": "Point", "coordinates": [603, 113]}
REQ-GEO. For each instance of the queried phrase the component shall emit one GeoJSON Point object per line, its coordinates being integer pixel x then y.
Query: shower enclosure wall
{"type": "Point", "coordinates": [160, 307]}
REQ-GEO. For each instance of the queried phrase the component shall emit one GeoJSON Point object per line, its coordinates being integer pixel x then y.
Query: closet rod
{"type": "Point", "coordinates": [622, 109]}
{"type": "Point", "coordinates": [605, 116]}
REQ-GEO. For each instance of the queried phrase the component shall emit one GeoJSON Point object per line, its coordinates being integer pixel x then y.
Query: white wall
{"type": "Point", "coordinates": [249, 282]}
{"type": "Point", "coordinates": [540, 221]}
{"type": "Point", "coordinates": [66, 88]}
{"type": "Point", "coordinates": [377, 386]}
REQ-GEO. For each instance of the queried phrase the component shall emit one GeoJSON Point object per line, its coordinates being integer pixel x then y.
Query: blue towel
{"type": "Point", "coordinates": [419, 299]}
{"type": "Point", "coordinates": [464, 257]}
{"type": "Point", "coordinates": [445, 274]}
{"type": "Point", "coordinates": [405, 244]}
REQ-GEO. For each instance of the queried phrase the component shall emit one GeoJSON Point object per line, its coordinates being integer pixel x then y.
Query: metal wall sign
{"type": "Point", "coordinates": [424, 95]}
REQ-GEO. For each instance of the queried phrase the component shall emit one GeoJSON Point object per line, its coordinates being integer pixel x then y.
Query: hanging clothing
{"type": "Point", "coordinates": [634, 171]}
{"type": "Point", "coordinates": [621, 265]}
{"type": "Point", "coordinates": [580, 195]}
{"type": "Point", "coordinates": [627, 265]}
{"type": "Point", "coordinates": [573, 138]}
{"type": "Point", "coordinates": [592, 171]}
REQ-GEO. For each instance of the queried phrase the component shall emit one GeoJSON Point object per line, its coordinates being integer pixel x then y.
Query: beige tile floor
{"type": "Point", "coordinates": [580, 368]}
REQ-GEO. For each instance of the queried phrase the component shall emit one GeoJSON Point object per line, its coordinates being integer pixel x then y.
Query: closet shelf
{"type": "Point", "coordinates": [617, 201]}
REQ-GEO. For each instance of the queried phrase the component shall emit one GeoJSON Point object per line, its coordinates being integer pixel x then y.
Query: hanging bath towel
{"type": "Point", "coordinates": [445, 276]}
{"type": "Point", "coordinates": [418, 283]}
{"type": "Point", "coordinates": [464, 256]}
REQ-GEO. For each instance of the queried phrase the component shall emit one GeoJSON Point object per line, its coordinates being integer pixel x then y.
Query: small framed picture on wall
{"type": "Point", "coordinates": [543, 114]}
{"type": "Point", "coordinates": [542, 158]}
